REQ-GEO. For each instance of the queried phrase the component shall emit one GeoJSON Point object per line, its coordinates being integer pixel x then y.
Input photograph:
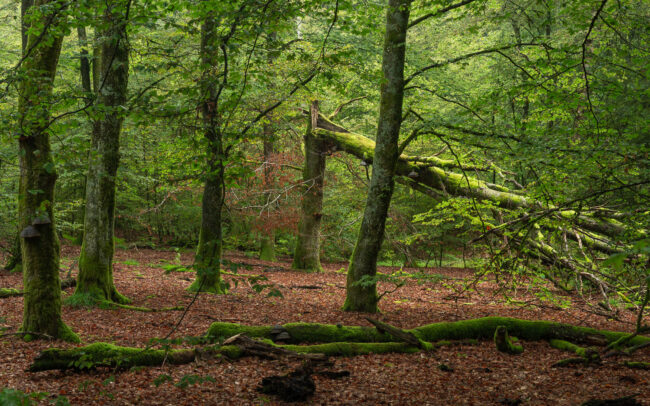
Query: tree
{"type": "Point", "coordinates": [39, 241]}
{"type": "Point", "coordinates": [359, 296]}
{"type": "Point", "coordinates": [307, 252]}
{"type": "Point", "coordinates": [207, 261]}
{"type": "Point", "coordinates": [95, 280]}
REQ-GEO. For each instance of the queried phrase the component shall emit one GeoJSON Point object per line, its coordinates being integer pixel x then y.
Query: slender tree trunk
{"type": "Point", "coordinates": [267, 241]}
{"type": "Point", "coordinates": [39, 241]}
{"type": "Point", "coordinates": [364, 257]}
{"type": "Point", "coordinates": [84, 59]}
{"type": "Point", "coordinates": [15, 254]}
{"type": "Point", "coordinates": [306, 256]}
{"type": "Point", "coordinates": [96, 258]}
{"type": "Point", "coordinates": [207, 261]}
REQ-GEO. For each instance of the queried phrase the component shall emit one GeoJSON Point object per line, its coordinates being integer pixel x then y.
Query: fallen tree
{"type": "Point", "coordinates": [333, 340]}
{"type": "Point", "coordinates": [590, 231]}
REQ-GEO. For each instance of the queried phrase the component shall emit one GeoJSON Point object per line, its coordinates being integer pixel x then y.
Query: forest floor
{"type": "Point", "coordinates": [480, 376]}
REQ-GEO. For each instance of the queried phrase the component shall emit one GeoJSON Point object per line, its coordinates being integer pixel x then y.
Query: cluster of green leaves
{"type": "Point", "coordinates": [14, 397]}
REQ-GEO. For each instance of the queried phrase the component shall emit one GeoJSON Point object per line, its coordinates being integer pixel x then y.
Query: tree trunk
{"type": "Point", "coordinates": [39, 241]}
{"type": "Point", "coordinates": [306, 256]}
{"type": "Point", "coordinates": [364, 257]}
{"type": "Point", "coordinates": [207, 261]}
{"type": "Point", "coordinates": [96, 258]}
{"type": "Point", "coordinates": [267, 240]}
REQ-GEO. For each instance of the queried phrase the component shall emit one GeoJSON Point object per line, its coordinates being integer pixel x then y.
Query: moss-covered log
{"type": "Point", "coordinates": [109, 355]}
{"type": "Point", "coordinates": [482, 328]}
{"type": "Point", "coordinates": [104, 354]}
{"type": "Point", "coordinates": [334, 340]}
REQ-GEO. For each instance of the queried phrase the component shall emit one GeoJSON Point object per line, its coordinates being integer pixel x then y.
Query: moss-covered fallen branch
{"type": "Point", "coordinates": [104, 354]}
{"type": "Point", "coordinates": [482, 328]}
{"type": "Point", "coordinates": [589, 354]}
{"type": "Point", "coordinates": [11, 292]}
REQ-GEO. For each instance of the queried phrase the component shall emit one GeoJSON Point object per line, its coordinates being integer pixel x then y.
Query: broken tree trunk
{"type": "Point", "coordinates": [307, 253]}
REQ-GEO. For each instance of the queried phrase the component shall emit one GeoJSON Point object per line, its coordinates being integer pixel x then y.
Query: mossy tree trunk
{"type": "Point", "coordinates": [306, 256]}
{"type": "Point", "coordinates": [96, 258]}
{"type": "Point", "coordinates": [371, 235]}
{"type": "Point", "coordinates": [39, 242]}
{"type": "Point", "coordinates": [207, 261]}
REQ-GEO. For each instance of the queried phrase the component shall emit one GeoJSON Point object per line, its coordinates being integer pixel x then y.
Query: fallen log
{"type": "Point", "coordinates": [335, 340]}
{"type": "Point", "coordinates": [482, 328]}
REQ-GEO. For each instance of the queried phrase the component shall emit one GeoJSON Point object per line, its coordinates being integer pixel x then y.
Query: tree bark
{"type": "Point", "coordinates": [306, 256]}
{"type": "Point", "coordinates": [267, 240]}
{"type": "Point", "coordinates": [207, 261]}
{"type": "Point", "coordinates": [39, 241]}
{"type": "Point", "coordinates": [371, 235]}
{"type": "Point", "coordinates": [96, 259]}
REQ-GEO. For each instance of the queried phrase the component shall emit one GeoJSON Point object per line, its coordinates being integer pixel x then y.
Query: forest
{"type": "Point", "coordinates": [413, 202]}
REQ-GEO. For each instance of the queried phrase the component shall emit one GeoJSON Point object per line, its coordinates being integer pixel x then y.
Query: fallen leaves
{"type": "Point", "coordinates": [480, 376]}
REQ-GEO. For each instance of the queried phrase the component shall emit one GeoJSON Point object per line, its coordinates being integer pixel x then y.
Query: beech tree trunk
{"type": "Point", "coordinates": [96, 258]}
{"type": "Point", "coordinates": [306, 256]}
{"type": "Point", "coordinates": [207, 261]}
{"type": "Point", "coordinates": [39, 242]}
{"type": "Point", "coordinates": [364, 257]}
{"type": "Point", "coordinates": [267, 240]}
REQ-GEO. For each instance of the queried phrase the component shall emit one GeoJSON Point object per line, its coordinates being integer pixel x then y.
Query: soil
{"type": "Point", "coordinates": [471, 375]}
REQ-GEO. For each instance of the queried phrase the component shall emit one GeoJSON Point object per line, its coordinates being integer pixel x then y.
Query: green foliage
{"type": "Point", "coordinates": [189, 380]}
{"type": "Point", "coordinates": [14, 397]}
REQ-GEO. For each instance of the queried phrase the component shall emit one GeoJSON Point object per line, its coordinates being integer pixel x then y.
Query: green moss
{"type": "Point", "coordinates": [226, 330]}
{"type": "Point", "coordinates": [231, 351]}
{"type": "Point", "coordinates": [328, 333]}
{"type": "Point", "coordinates": [84, 300]}
{"type": "Point", "coordinates": [347, 349]}
{"type": "Point", "coordinates": [66, 334]}
{"type": "Point", "coordinates": [216, 288]}
{"type": "Point", "coordinates": [588, 354]}
{"type": "Point", "coordinates": [9, 292]}
{"type": "Point", "coordinates": [637, 365]}
{"type": "Point", "coordinates": [482, 328]}
{"type": "Point", "coordinates": [267, 249]}
{"type": "Point", "coordinates": [504, 343]}
{"type": "Point", "coordinates": [104, 354]}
